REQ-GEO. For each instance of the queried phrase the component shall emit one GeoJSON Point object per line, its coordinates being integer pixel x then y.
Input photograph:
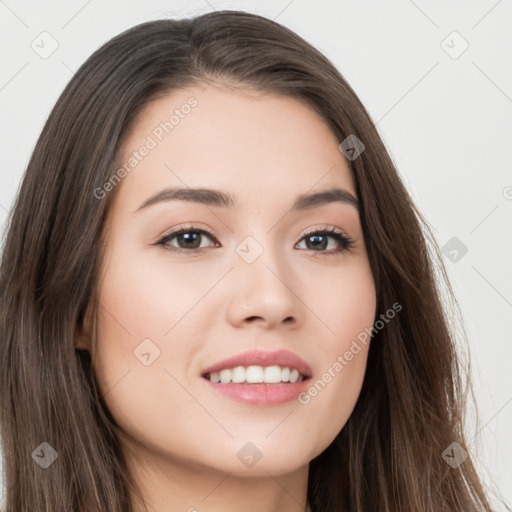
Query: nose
{"type": "Point", "coordinates": [264, 293]}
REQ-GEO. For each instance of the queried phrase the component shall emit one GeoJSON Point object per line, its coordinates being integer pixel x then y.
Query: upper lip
{"type": "Point", "coordinates": [263, 358]}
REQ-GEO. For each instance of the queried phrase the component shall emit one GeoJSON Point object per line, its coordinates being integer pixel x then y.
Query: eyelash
{"type": "Point", "coordinates": [344, 241]}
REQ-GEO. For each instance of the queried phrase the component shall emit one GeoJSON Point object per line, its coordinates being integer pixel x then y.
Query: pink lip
{"type": "Point", "coordinates": [260, 394]}
{"type": "Point", "coordinates": [260, 358]}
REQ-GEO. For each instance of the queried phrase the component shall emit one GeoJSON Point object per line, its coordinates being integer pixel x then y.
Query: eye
{"type": "Point", "coordinates": [189, 240]}
{"type": "Point", "coordinates": [318, 240]}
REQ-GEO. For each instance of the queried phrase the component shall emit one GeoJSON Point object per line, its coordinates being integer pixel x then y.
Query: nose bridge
{"type": "Point", "coordinates": [259, 257]}
{"type": "Point", "coordinates": [262, 281]}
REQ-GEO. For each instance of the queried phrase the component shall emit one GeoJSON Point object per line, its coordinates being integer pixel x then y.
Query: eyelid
{"type": "Point", "coordinates": [322, 229]}
{"type": "Point", "coordinates": [185, 227]}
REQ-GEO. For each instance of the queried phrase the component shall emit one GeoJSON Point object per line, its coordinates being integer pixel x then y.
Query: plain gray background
{"type": "Point", "coordinates": [435, 76]}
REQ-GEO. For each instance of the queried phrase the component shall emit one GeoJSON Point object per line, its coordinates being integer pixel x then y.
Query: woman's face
{"type": "Point", "coordinates": [171, 307]}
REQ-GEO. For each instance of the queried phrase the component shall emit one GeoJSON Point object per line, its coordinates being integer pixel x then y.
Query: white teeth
{"type": "Point", "coordinates": [272, 374]}
{"type": "Point", "coordinates": [225, 376]}
{"type": "Point", "coordinates": [256, 374]}
{"type": "Point", "coordinates": [238, 374]}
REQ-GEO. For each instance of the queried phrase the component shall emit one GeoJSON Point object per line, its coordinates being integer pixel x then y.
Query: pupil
{"type": "Point", "coordinates": [188, 237]}
{"type": "Point", "coordinates": [315, 244]}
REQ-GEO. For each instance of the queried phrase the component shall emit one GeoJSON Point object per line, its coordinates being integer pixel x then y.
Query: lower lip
{"type": "Point", "coordinates": [260, 394]}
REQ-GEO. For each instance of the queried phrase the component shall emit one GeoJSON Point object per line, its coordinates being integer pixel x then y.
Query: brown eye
{"type": "Point", "coordinates": [318, 241]}
{"type": "Point", "coordinates": [188, 239]}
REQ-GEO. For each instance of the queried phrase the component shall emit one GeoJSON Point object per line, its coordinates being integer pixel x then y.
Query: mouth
{"type": "Point", "coordinates": [259, 378]}
{"type": "Point", "coordinates": [254, 374]}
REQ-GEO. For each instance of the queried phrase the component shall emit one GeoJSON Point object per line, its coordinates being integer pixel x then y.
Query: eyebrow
{"type": "Point", "coordinates": [211, 197]}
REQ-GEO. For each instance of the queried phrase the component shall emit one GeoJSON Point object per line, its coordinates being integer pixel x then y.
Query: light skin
{"type": "Point", "coordinates": [180, 437]}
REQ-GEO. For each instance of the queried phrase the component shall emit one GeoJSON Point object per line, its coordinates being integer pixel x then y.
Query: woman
{"type": "Point", "coordinates": [164, 346]}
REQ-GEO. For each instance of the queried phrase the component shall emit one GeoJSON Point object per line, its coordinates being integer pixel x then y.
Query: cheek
{"type": "Point", "coordinates": [147, 297]}
{"type": "Point", "coordinates": [150, 298]}
{"type": "Point", "coordinates": [148, 305]}
{"type": "Point", "coordinates": [334, 390]}
{"type": "Point", "coordinates": [348, 304]}
{"type": "Point", "coordinates": [137, 308]}
{"type": "Point", "coordinates": [139, 368]}
{"type": "Point", "coordinates": [344, 301]}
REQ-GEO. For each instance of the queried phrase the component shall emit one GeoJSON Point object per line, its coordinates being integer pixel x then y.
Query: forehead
{"type": "Point", "coordinates": [256, 145]}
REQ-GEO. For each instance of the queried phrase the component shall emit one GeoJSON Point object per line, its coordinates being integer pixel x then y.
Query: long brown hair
{"type": "Point", "coordinates": [388, 456]}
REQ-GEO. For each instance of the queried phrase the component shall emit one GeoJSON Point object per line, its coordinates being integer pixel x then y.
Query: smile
{"type": "Point", "coordinates": [256, 375]}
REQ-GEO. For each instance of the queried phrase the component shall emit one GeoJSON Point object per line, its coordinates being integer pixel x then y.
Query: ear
{"type": "Point", "coordinates": [83, 332]}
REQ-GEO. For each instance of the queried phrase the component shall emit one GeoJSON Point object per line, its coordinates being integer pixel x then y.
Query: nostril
{"type": "Point", "coordinates": [254, 318]}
